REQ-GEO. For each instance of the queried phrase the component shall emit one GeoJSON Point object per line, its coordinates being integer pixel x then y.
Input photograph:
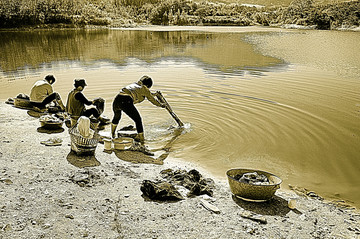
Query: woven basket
{"type": "Point", "coordinates": [252, 192]}
{"type": "Point", "coordinates": [82, 145]}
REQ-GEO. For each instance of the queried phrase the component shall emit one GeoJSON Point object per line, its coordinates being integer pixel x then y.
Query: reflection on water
{"type": "Point", "coordinates": [21, 50]}
{"type": "Point", "coordinates": [286, 103]}
{"type": "Point", "coordinates": [333, 50]}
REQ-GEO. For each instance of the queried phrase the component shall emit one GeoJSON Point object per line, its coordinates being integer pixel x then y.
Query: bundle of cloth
{"type": "Point", "coordinates": [83, 126]}
{"type": "Point", "coordinates": [99, 104]}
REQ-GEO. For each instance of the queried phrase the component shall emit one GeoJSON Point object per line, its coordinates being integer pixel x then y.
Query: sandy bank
{"type": "Point", "coordinates": [41, 197]}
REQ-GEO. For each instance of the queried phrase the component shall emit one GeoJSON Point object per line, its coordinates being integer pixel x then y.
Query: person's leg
{"type": "Point", "coordinates": [90, 112]}
{"type": "Point", "coordinates": [49, 99]}
{"type": "Point", "coordinates": [127, 105]}
{"type": "Point", "coordinates": [117, 114]}
{"type": "Point", "coordinates": [37, 105]}
{"type": "Point", "coordinates": [133, 113]}
{"type": "Point", "coordinates": [59, 102]}
{"type": "Point", "coordinates": [115, 122]}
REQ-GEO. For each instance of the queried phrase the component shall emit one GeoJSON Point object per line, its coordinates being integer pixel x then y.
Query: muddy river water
{"type": "Point", "coordinates": [286, 102]}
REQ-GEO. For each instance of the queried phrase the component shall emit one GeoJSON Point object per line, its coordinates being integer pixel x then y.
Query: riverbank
{"type": "Point", "coordinates": [45, 194]}
{"type": "Point", "coordinates": [79, 14]}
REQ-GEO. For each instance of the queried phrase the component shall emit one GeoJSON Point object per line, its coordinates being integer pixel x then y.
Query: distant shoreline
{"type": "Point", "coordinates": [300, 14]}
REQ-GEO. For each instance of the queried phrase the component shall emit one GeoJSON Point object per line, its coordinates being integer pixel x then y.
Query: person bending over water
{"type": "Point", "coordinates": [125, 101]}
{"type": "Point", "coordinates": [42, 94]}
{"type": "Point", "coordinates": [76, 102]}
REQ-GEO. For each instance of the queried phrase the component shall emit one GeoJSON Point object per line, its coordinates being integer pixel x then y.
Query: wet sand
{"type": "Point", "coordinates": [41, 197]}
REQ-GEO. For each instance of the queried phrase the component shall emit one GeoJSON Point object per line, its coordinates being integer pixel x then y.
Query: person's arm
{"type": "Point", "coordinates": [49, 90]}
{"type": "Point", "coordinates": [80, 97]}
{"type": "Point", "coordinates": [151, 98]}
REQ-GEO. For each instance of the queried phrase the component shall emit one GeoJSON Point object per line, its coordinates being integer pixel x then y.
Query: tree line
{"type": "Point", "coordinates": [120, 13]}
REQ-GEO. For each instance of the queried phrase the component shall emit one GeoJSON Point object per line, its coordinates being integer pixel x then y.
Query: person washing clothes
{"type": "Point", "coordinates": [42, 94]}
{"type": "Point", "coordinates": [76, 101]}
{"type": "Point", "coordinates": [125, 101]}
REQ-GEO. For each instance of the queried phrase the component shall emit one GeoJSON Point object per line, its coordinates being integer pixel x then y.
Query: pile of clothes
{"type": "Point", "coordinates": [193, 181]}
{"type": "Point", "coordinates": [253, 178]}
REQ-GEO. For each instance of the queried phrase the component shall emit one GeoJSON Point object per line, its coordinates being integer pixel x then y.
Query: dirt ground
{"type": "Point", "coordinates": [45, 192]}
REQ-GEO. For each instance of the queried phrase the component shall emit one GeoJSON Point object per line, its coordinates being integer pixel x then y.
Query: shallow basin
{"type": "Point", "coordinates": [122, 143]}
{"type": "Point", "coordinates": [251, 192]}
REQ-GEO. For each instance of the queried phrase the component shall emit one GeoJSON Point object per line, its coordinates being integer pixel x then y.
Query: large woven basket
{"type": "Point", "coordinates": [82, 145]}
{"type": "Point", "coordinates": [251, 192]}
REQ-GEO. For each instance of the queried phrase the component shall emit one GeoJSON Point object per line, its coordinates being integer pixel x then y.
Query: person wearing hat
{"type": "Point", "coordinates": [125, 101]}
{"type": "Point", "coordinates": [42, 94]}
{"type": "Point", "coordinates": [76, 101]}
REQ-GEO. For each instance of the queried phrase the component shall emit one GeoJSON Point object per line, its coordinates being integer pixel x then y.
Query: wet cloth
{"type": "Point", "coordinates": [40, 90]}
{"type": "Point", "coordinates": [253, 178]}
{"type": "Point", "coordinates": [99, 104]}
{"type": "Point", "coordinates": [83, 127]}
{"type": "Point", "coordinates": [192, 180]}
{"type": "Point", "coordinates": [162, 191]}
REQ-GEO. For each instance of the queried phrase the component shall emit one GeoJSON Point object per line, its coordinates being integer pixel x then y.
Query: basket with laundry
{"type": "Point", "coordinates": [51, 121]}
{"type": "Point", "coordinates": [84, 139]}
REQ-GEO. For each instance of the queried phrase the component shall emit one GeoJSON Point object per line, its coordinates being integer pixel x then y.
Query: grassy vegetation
{"type": "Point", "coordinates": [79, 13]}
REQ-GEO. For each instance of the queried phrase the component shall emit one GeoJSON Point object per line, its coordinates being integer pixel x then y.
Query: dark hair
{"type": "Point", "coordinates": [79, 82]}
{"type": "Point", "coordinates": [146, 80]}
{"type": "Point", "coordinates": [50, 79]}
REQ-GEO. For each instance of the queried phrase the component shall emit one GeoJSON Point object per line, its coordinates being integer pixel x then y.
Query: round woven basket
{"type": "Point", "coordinates": [251, 192]}
{"type": "Point", "coordinates": [82, 145]}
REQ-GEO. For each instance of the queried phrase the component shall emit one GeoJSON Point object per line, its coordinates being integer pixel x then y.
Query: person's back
{"type": "Point", "coordinates": [76, 102]}
{"type": "Point", "coordinates": [138, 92]}
{"type": "Point", "coordinates": [73, 106]}
{"type": "Point", "coordinates": [42, 94]}
{"type": "Point", "coordinates": [40, 90]}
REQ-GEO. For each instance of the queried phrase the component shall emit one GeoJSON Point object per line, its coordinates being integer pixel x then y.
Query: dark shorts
{"type": "Point", "coordinates": [125, 103]}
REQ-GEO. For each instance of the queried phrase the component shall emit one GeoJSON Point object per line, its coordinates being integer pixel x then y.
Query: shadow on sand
{"type": "Point", "coordinates": [276, 206]}
{"type": "Point", "coordinates": [82, 161]}
{"type": "Point", "coordinates": [49, 131]}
